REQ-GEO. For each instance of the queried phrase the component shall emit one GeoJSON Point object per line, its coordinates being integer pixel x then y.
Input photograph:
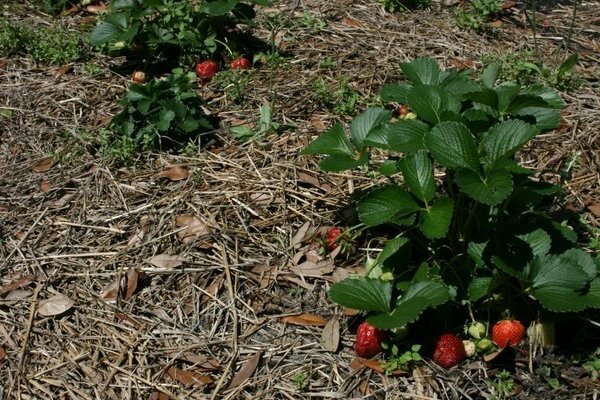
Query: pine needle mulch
{"type": "Point", "coordinates": [200, 276]}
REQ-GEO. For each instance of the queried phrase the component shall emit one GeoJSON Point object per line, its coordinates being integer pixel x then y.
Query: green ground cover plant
{"type": "Point", "coordinates": [163, 113]}
{"type": "Point", "coordinates": [483, 238]}
{"type": "Point", "coordinates": [45, 45]}
{"type": "Point", "coordinates": [174, 29]}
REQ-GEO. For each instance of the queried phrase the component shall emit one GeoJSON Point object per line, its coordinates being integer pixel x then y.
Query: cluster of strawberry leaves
{"type": "Point", "coordinates": [172, 29]}
{"type": "Point", "coordinates": [165, 112]}
{"type": "Point", "coordinates": [482, 237]}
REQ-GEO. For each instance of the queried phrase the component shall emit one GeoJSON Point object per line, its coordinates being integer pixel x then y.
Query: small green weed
{"type": "Point", "coordinates": [91, 68]}
{"type": "Point", "coordinates": [234, 82]}
{"type": "Point", "coordinates": [478, 14]}
{"type": "Point", "coordinates": [522, 67]}
{"type": "Point", "coordinates": [403, 360]}
{"type": "Point", "coordinates": [159, 114]}
{"type": "Point", "coordinates": [51, 45]}
{"type": "Point", "coordinates": [266, 125]}
{"type": "Point", "coordinates": [300, 380]}
{"type": "Point", "coordinates": [327, 63]}
{"type": "Point", "coordinates": [312, 23]}
{"type": "Point", "coordinates": [341, 100]}
{"type": "Point", "coordinates": [503, 385]}
{"type": "Point", "coordinates": [397, 5]}
{"type": "Point", "coordinates": [593, 365]}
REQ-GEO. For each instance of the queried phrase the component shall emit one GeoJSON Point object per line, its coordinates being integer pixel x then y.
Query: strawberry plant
{"type": "Point", "coordinates": [160, 113]}
{"type": "Point", "coordinates": [168, 29]}
{"type": "Point", "coordinates": [479, 233]}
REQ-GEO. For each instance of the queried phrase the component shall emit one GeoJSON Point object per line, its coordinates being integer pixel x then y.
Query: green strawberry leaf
{"type": "Point", "coordinates": [334, 141]}
{"type": "Point", "coordinates": [362, 294]}
{"type": "Point", "coordinates": [422, 71]}
{"type": "Point", "coordinates": [419, 297]}
{"type": "Point", "coordinates": [491, 190]}
{"type": "Point", "coordinates": [391, 248]}
{"type": "Point", "coordinates": [490, 74]}
{"type": "Point", "coordinates": [506, 92]}
{"type": "Point", "coordinates": [406, 136]}
{"type": "Point", "coordinates": [395, 93]}
{"type": "Point", "coordinates": [557, 283]}
{"type": "Point", "coordinates": [365, 122]}
{"type": "Point", "coordinates": [389, 168]}
{"type": "Point", "coordinates": [435, 220]}
{"type": "Point", "coordinates": [385, 204]}
{"type": "Point", "coordinates": [505, 138]}
{"type": "Point", "coordinates": [538, 240]}
{"type": "Point", "coordinates": [551, 97]}
{"type": "Point", "coordinates": [478, 288]}
{"type": "Point", "coordinates": [430, 102]}
{"type": "Point", "coordinates": [452, 145]}
{"type": "Point", "coordinates": [339, 162]}
{"type": "Point", "coordinates": [417, 169]}
{"type": "Point", "coordinates": [583, 259]}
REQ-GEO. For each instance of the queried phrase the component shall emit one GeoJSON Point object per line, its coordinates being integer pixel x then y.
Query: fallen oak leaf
{"type": "Point", "coordinates": [174, 173]}
{"type": "Point", "coordinates": [159, 396]}
{"type": "Point", "coordinates": [245, 371]}
{"type": "Point", "coordinates": [193, 228]}
{"type": "Point", "coordinates": [330, 337]}
{"type": "Point", "coordinates": [18, 284]}
{"type": "Point", "coordinates": [126, 287]}
{"type": "Point", "coordinates": [187, 377]}
{"type": "Point", "coordinates": [43, 165]}
{"type": "Point", "coordinates": [167, 261]}
{"type": "Point", "coordinates": [55, 305]}
{"type": "Point", "coordinates": [305, 319]}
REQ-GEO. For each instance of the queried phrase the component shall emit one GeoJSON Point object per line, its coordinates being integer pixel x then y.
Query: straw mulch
{"type": "Point", "coordinates": [183, 276]}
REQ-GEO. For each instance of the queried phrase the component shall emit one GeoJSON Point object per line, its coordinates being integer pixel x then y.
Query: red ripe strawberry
{"type": "Point", "coordinates": [449, 350]}
{"type": "Point", "coordinates": [240, 63]}
{"type": "Point", "coordinates": [331, 238]}
{"type": "Point", "coordinates": [508, 332]}
{"type": "Point", "coordinates": [205, 70]}
{"type": "Point", "coordinates": [368, 340]}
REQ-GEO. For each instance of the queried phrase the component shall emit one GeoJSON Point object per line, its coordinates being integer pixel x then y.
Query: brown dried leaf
{"type": "Point", "coordinates": [351, 22]}
{"type": "Point", "coordinates": [301, 235]}
{"type": "Point", "coordinates": [200, 361]}
{"type": "Point", "coordinates": [159, 396]}
{"type": "Point", "coordinates": [305, 319]}
{"type": "Point", "coordinates": [187, 377]}
{"type": "Point", "coordinates": [374, 365]}
{"type": "Point", "coordinates": [167, 261]}
{"type": "Point", "coordinates": [129, 320]}
{"type": "Point", "coordinates": [194, 228]}
{"type": "Point", "coordinates": [492, 356]}
{"type": "Point", "coordinates": [318, 122]}
{"type": "Point", "coordinates": [330, 337]}
{"type": "Point", "coordinates": [508, 4]}
{"type": "Point", "coordinates": [126, 287]}
{"type": "Point", "coordinates": [2, 354]}
{"type": "Point", "coordinates": [43, 165]}
{"type": "Point", "coordinates": [96, 9]}
{"type": "Point", "coordinates": [55, 305]}
{"type": "Point", "coordinates": [174, 173]}
{"type": "Point", "coordinates": [350, 312]}
{"type": "Point", "coordinates": [17, 295]}
{"type": "Point", "coordinates": [594, 208]}
{"type": "Point", "coordinates": [212, 289]}
{"type": "Point", "coordinates": [63, 70]}
{"type": "Point", "coordinates": [313, 269]}
{"type": "Point", "coordinates": [246, 370]}
{"type": "Point", "coordinates": [261, 199]}
{"type": "Point", "coordinates": [45, 186]}
{"type": "Point", "coordinates": [18, 284]}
